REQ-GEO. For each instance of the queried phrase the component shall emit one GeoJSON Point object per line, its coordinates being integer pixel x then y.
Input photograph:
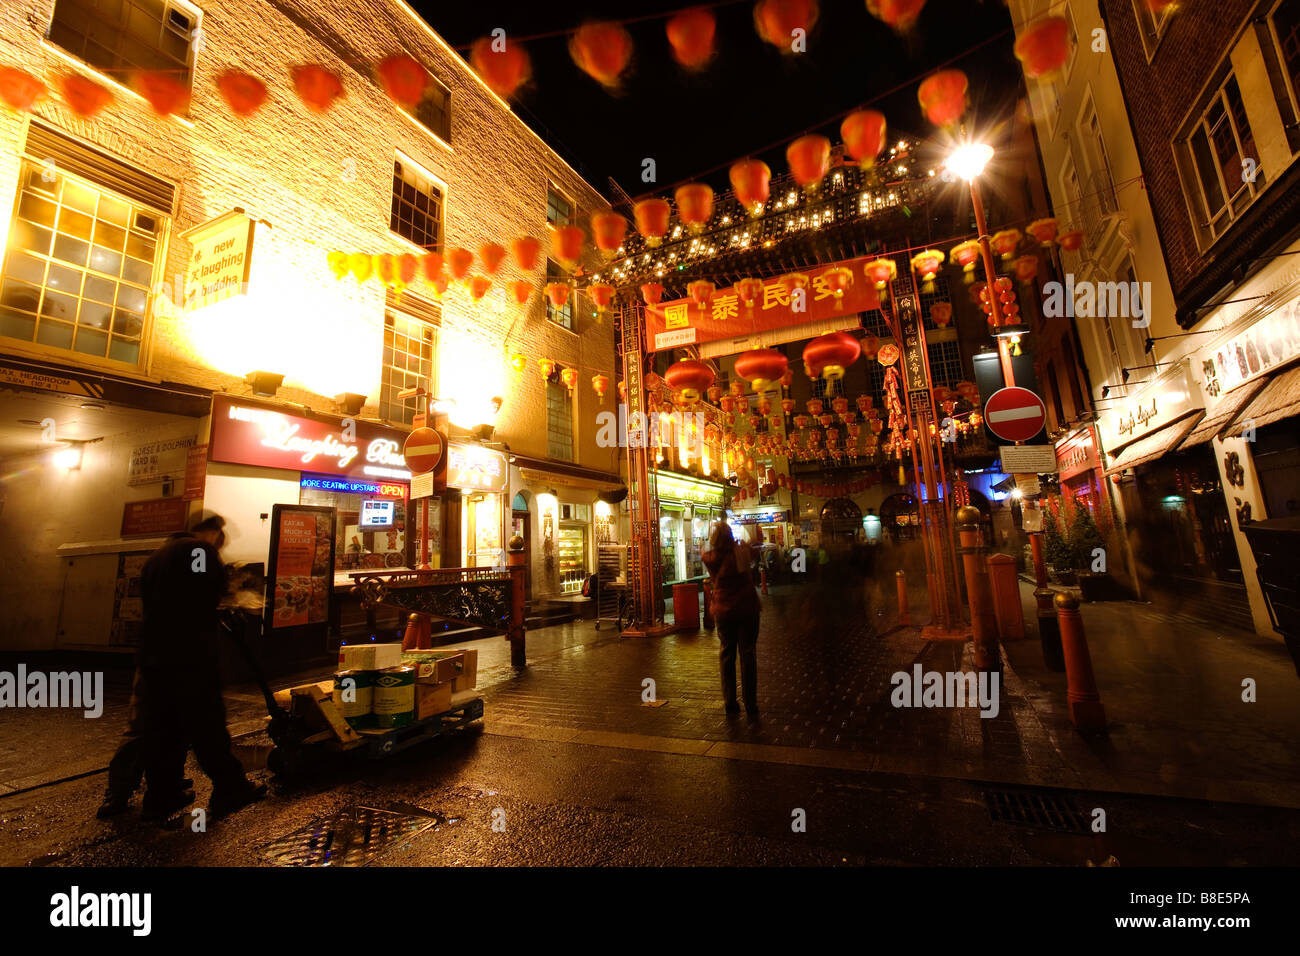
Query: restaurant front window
{"type": "Point", "coordinates": [371, 526]}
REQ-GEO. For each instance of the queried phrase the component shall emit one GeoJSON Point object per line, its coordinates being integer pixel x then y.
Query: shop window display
{"type": "Point", "coordinates": [370, 531]}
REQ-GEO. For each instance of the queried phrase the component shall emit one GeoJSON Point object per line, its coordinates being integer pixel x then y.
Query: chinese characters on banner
{"type": "Point", "coordinates": [914, 365]}
{"type": "Point", "coordinates": [683, 322]}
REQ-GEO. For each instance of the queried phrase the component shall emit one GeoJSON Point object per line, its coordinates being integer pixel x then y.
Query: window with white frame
{"type": "Point", "coordinates": [410, 345]}
{"type": "Point", "coordinates": [559, 208]}
{"type": "Point", "coordinates": [560, 315]}
{"type": "Point", "coordinates": [417, 205]}
{"type": "Point", "coordinates": [1222, 162]}
{"type": "Point", "coordinates": [1284, 64]}
{"type": "Point", "coordinates": [118, 36]}
{"type": "Point", "coordinates": [78, 268]}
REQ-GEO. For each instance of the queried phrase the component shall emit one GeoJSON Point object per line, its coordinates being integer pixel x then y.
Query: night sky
{"type": "Point", "coordinates": [749, 98]}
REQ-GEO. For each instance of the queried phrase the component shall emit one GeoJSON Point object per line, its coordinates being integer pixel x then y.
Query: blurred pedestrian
{"type": "Point", "coordinates": [736, 611]}
{"type": "Point", "coordinates": [180, 701]}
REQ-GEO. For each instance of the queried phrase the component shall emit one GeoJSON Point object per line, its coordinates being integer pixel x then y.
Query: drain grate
{"type": "Point", "coordinates": [355, 836]}
{"type": "Point", "coordinates": [1035, 809]}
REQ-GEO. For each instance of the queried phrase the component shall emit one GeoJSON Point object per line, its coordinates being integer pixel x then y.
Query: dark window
{"type": "Point", "coordinates": [1054, 387]}
{"type": "Point", "coordinates": [564, 314]}
{"type": "Point", "coordinates": [945, 363]}
{"type": "Point", "coordinates": [409, 346]}
{"type": "Point", "coordinates": [1286, 20]}
{"type": "Point", "coordinates": [559, 210]}
{"type": "Point", "coordinates": [559, 421]}
{"type": "Point", "coordinates": [117, 36]}
{"type": "Point", "coordinates": [434, 111]}
{"type": "Point", "coordinates": [417, 207]}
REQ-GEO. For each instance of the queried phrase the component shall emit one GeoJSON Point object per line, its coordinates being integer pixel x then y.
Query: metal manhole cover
{"type": "Point", "coordinates": [1035, 809]}
{"type": "Point", "coordinates": [355, 836]}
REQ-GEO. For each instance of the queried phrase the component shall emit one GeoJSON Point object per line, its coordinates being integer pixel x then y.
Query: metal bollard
{"type": "Point", "coordinates": [984, 625]}
{"type": "Point", "coordinates": [1084, 699]}
{"type": "Point", "coordinates": [904, 616]}
{"type": "Point", "coordinates": [1049, 630]}
{"type": "Point", "coordinates": [1006, 596]}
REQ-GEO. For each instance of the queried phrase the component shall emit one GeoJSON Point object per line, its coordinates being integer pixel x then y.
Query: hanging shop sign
{"type": "Point", "coordinates": [762, 517]}
{"type": "Point", "coordinates": [1268, 344]}
{"type": "Point", "coordinates": [1161, 404]}
{"type": "Point", "coordinates": [245, 433]}
{"type": "Point", "coordinates": [680, 488]}
{"type": "Point", "coordinates": [914, 360]}
{"type": "Point", "coordinates": [220, 258]}
{"type": "Point", "coordinates": [683, 322]}
{"type": "Point", "coordinates": [475, 468]}
{"type": "Point", "coordinates": [1077, 454]}
{"type": "Point", "coordinates": [159, 460]}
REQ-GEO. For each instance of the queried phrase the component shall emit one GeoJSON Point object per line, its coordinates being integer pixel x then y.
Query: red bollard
{"type": "Point", "coordinates": [1040, 564]}
{"type": "Point", "coordinates": [904, 615]}
{"type": "Point", "coordinates": [516, 562]}
{"type": "Point", "coordinates": [1006, 597]}
{"type": "Point", "coordinates": [417, 635]}
{"type": "Point", "coordinates": [984, 625]}
{"type": "Point", "coordinates": [1082, 694]}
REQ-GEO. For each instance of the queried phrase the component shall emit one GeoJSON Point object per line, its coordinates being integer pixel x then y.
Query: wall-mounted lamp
{"type": "Point", "coordinates": [264, 384]}
{"type": "Point", "coordinates": [497, 402]}
{"type": "Point", "coordinates": [69, 457]}
{"type": "Point", "coordinates": [350, 402]}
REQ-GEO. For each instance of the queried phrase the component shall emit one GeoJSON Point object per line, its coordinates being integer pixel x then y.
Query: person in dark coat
{"type": "Point", "coordinates": [736, 611]}
{"type": "Point", "coordinates": [180, 701]}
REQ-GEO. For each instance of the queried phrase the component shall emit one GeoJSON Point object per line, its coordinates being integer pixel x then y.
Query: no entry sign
{"type": "Point", "coordinates": [1015, 414]}
{"type": "Point", "coordinates": [422, 451]}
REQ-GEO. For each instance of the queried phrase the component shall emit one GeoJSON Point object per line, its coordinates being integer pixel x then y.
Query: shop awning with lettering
{"type": "Point", "coordinates": [1279, 399]}
{"type": "Point", "coordinates": [1153, 446]}
{"type": "Point", "coordinates": [1224, 413]}
{"type": "Point", "coordinates": [571, 476]}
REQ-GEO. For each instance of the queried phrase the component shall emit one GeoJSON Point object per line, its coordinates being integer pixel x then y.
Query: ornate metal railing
{"type": "Point", "coordinates": [476, 595]}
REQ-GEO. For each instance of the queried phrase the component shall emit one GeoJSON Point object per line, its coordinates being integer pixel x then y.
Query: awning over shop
{"type": "Point", "coordinates": [1279, 399]}
{"type": "Point", "coordinates": [571, 476]}
{"type": "Point", "coordinates": [1154, 445]}
{"type": "Point", "coordinates": [1224, 413]}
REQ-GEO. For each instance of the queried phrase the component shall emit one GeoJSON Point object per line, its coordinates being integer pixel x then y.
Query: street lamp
{"type": "Point", "coordinates": [968, 161]}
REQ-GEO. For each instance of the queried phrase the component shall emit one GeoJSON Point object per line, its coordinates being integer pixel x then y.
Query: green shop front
{"type": "Point", "coordinates": [688, 506]}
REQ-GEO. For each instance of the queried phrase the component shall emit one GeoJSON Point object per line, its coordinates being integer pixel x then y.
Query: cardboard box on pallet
{"type": "Point", "coordinates": [431, 699]}
{"type": "Point", "coordinates": [467, 679]}
{"type": "Point", "coordinates": [435, 667]}
{"type": "Point", "coordinates": [369, 657]}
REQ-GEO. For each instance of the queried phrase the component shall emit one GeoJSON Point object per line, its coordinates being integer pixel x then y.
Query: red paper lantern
{"type": "Point", "coordinates": [386, 269]}
{"type": "Point", "coordinates": [459, 261]}
{"type": "Point", "coordinates": [1043, 230]}
{"type": "Point", "coordinates": [569, 376]}
{"type": "Point", "coordinates": [439, 284]}
{"type": "Point", "coordinates": [689, 378]}
{"type": "Point", "coordinates": [601, 294]}
{"type": "Point", "coordinates": [558, 293]}
{"type": "Point", "coordinates": [478, 287]}
{"type": "Point", "coordinates": [751, 180]}
{"type": "Point", "coordinates": [701, 292]}
{"type": "Point", "coordinates": [600, 385]}
{"type": "Point", "coordinates": [566, 245]}
{"type": "Point", "coordinates": [830, 354]}
{"type": "Point", "coordinates": [432, 264]}
{"type": "Point", "coordinates": [19, 89]}
{"type": "Point", "coordinates": [927, 265]}
{"type": "Point", "coordinates": [694, 205]}
{"type": "Point", "coordinates": [943, 97]}
{"type": "Point", "coordinates": [546, 367]}
{"type": "Point", "coordinates": [1004, 243]}
{"type": "Point", "coordinates": [1026, 268]}
{"type": "Point", "coordinates": [1044, 47]}
{"type": "Point", "coordinates": [762, 368]}
{"type": "Point", "coordinates": [518, 362]}
{"type": "Point", "coordinates": [881, 272]}
{"type": "Point", "coordinates": [492, 255]}
{"type": "Point", "coordinates": [864, 134]}
{"type": "Point", "coordinates": [839, 280]}
{"type": "Point", "coordinates": [1071, 241]}
{"type": "Point", "coordinates": [941, 314]}
{"type": "Point", "coordinates": [408, 267]}
{"type": "Point", "coordinates": [651, 216]}
{"type": "Point", "coordinates": [503, 70]}
{"type": "Point", "coordinates": [794, 281]}
{"type": "Point", "coordinates": [787, 405]}
{"type": "Point", "coordinates": [243, 92]}
{"type": "Point", "coordinates": [967, 255]}
{"type": "Point", "coordinates": [608, 230]}
{"type": "Point", "coordinates": [690, 33]}
{"type": "Point", "coordinates": [748, 291]}
{"type": "Point", "coordinates": [339, 264]}
{"type": "Point", "coordinates": [522, 290]}
{"type": "Point", "coordinates": [777, 20]}
{"type": "Point", "coordinates": [652, 293]}
{"type": "Point", "coordinates": [602, 51]}
{"type": "Point", "coordinates": [403, 79]}
{"type": "Point", "coordinates": [525, 250]}
{"type": "Point", "coordinates": [809, 158]}
{"type": "Point", "coordinates": [317, 86]}
{"type": "Point", "coordinates": [86, 97]}
{"type": "Point", "coordinates": [899, 14]}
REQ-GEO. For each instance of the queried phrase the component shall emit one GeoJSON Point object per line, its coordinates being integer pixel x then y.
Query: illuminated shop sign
{"type": "Point", "coordinates": [245, 434]}
{"type": "Point", "coordinates": [354, 486]}
{"type": "Point", "coordinates": [762, 517]}
{"type": "Point", "coordinates": [475, 468]}
{"type": "Point", "coordinates": [679, 488]}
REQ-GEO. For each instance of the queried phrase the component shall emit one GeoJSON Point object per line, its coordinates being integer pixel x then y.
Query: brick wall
{"type": "Point", "coordinates": [323, 182]}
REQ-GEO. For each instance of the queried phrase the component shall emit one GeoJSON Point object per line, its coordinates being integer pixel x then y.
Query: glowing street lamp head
{"type": "Point", "coordinates": [969, 160]}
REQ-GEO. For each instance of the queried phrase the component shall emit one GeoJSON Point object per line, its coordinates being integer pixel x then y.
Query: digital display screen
{"type": "Point", "coordinates": [377, 513]}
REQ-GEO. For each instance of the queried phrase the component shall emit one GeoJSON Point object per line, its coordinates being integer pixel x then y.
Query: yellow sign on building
{"type": "Point", "coordinates": [220, 257]}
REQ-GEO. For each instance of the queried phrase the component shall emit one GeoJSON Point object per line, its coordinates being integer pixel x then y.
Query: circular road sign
{"type": "Point", "coordinates": [422, 451]}
{"type": "Point", "coordinates": [1015, 414]}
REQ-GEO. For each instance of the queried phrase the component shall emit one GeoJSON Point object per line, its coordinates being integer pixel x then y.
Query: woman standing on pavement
{"type": "Point", "coordinates": [736, 610]}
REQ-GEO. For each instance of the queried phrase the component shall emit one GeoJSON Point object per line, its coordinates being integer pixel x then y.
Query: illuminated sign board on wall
{"type": "Point", "coordinates": [353, 486]}
{"type": "Point", "coordinates": [475, 468]}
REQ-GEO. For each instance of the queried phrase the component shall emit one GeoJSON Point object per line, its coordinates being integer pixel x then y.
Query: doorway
{"type": "Point", "coordinates": [521, 524]}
